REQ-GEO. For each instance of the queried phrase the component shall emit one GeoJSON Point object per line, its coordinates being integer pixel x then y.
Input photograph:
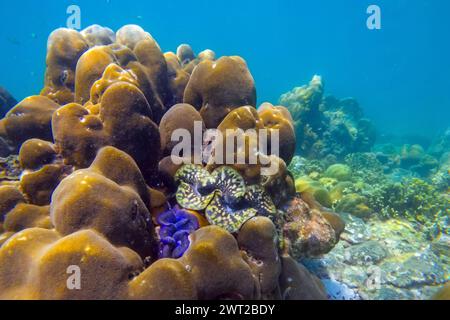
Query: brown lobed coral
{"type": "Point", "coordinates": [92, 209]}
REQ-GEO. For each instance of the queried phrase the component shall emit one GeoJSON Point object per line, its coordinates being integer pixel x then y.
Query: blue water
{"type": "Point", "coordinates": [400, 74]}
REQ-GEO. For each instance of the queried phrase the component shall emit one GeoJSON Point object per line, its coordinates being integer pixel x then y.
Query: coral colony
{"type": "Point", "coordinates": [102, 189]}
{"type": "Point", "coordinates": [99, 179]}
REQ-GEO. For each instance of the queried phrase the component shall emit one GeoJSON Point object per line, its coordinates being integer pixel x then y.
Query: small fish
{"type": "Point", "coordinates": [14, 41]}
{"type": "Point", "coordinates": [63, 77]}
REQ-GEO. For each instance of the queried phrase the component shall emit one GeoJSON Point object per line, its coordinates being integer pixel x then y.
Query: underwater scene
{"type": "Point", "coordinates": [225, 150]}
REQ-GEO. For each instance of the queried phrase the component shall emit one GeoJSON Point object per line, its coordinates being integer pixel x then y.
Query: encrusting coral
{"type": "Point", "coordinates": [101, 193]}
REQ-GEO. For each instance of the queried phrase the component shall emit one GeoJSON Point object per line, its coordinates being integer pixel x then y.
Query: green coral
{"type": "Point", "coordinates": [366, 167]}
{"type": "Point", "coordinates": [441, 180]}
{"type": "Point", "coordinates": [320, 193]}
{"type": "Point", "coordinates": [411, 154]}
{"type": "Point", "coordinates": [360, 187]}
{"type": "Point", "coordinates": [413, 199]}
{"type": "Point", "coordinates": [340, 172]}
{"type": "Point", "coordinates": [354, 204]}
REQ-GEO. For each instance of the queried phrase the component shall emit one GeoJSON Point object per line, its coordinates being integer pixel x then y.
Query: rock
{"type": "Point", "coordinates": [390, 261]}
{"type": "Point", "coordinates": [366, 253]}
{"type": "Point", "coordinates": [398, 236]}
{"type": "Point", "coordinates": [356, 230]}
{"type": "Point", "coordinates": [413, 270]}
{"type": "Point", "coordinates": [306, 232]}
{"type": "Point", "coordinates": [391, 293]}
{"type": "Point", "coordinates": [339, 291]}
{"type": "Point", "coordinates": [441, 247]}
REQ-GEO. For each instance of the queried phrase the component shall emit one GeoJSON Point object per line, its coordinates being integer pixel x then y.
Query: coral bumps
{"type": "Point", "coordinates": [100, 197]}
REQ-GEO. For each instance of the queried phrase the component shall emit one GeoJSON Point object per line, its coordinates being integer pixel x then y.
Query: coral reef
{"type": "Point", "coordinates": [368, 191]}
{"type": "Point", "coordinates": [410, 157]}
{"type": "Point", "coordinates": [279, 118]}
{"type": "Point", "coordinates": [172, 121]}
{"type": "Point", "coordinates": [441, 144]}
{"type": "Point", "coordinates": [413, 199]}
{"type": "Point", "coordinates": [383, 260]}
{"type": "Point", "coordinates": [325, 125]}
{"type": "Point", "coordinates": [339, 172]}
{"type": "Point", "coordinates": [37, 269]}
{"type": "Point", "coordinates": [393, 196]}
{"type": "Point", "coordinates": [91, 184]}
